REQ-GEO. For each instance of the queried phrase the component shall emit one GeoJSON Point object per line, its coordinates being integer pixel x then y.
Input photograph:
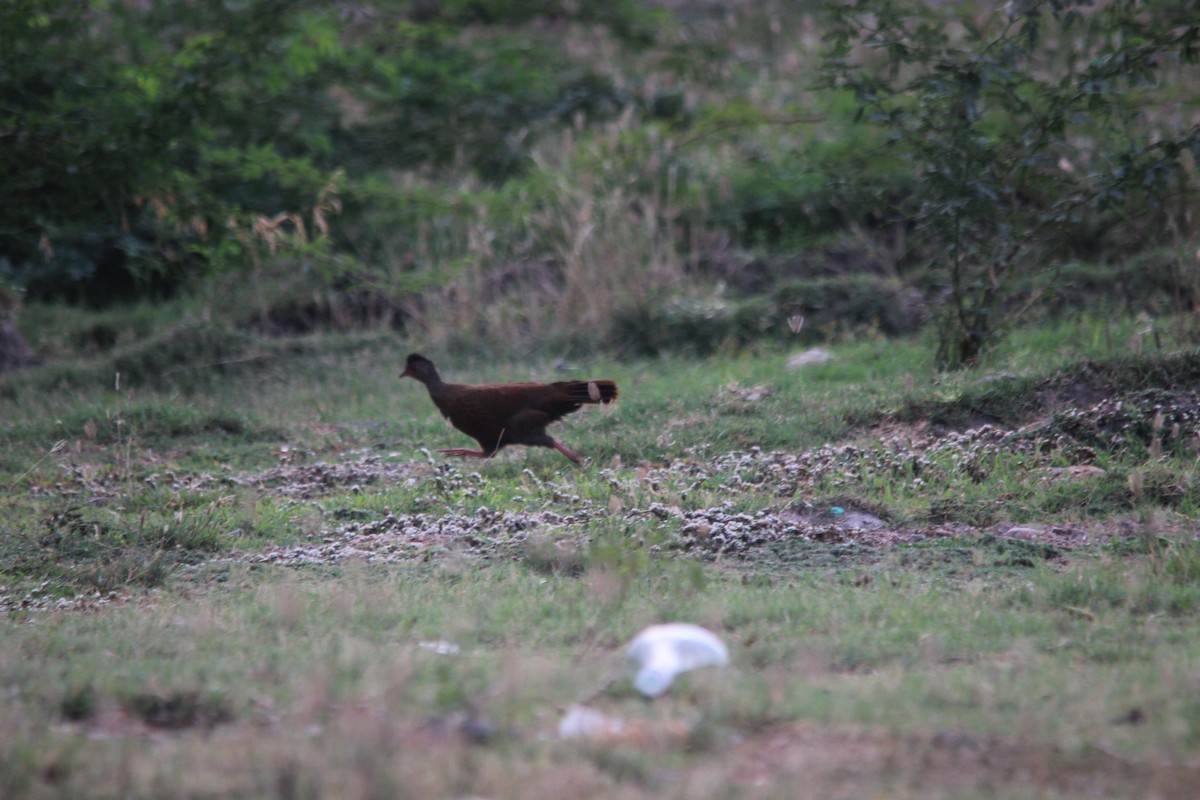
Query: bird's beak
{"type": "Point", "coordinates": [407, 373]}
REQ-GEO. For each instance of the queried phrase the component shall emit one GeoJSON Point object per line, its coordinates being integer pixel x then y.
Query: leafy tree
{"type": "Point", "coordinates": [1030, 129]}
{"type": "Point", "coordinates": [140, 142]}
{"type": "Point", "coordinates": [434, 100]}
{"type": "Point", "coordinates": [129, 134]}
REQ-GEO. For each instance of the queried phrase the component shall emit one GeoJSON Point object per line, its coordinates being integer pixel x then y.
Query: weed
{"type": "Point", "coordinates": [78, 703]}
{"type": "Point", "coordinates": [82, 550]}
{"type": "Point", "coordinates": [176, 710]}
{"type": "Point", "coordinates": [551, 554]}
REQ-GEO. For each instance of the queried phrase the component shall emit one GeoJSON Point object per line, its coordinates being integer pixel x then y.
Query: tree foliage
{"type": "Point", "coordinates": [1031, 130]}
{"type": "Point", "coordinates": [140, 141]}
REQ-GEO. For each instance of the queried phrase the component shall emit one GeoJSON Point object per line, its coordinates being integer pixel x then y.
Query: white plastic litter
{"type": "Point", "coordinates": [662, 652]}
{"type": "Point", "coordinates": [813, 355]}
{"type": "Point", "coordinates": [581, 722]}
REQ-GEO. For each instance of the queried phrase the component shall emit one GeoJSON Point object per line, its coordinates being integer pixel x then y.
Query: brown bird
{"type": "Point", "coordinates": [499, 414]}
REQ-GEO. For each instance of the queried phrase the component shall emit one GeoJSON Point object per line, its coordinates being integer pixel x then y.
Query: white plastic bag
{"type": "Point", "coordinates": [663, 651]}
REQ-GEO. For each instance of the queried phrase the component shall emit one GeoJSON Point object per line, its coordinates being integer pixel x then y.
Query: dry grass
{"type": "Point", "coordinates": [596, 241]}
{"type": "Point", "coordinates": [310, 686]}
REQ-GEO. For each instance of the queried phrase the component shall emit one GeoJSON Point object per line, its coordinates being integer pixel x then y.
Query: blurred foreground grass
{"type": "Point", "coordinates": [446, 681]}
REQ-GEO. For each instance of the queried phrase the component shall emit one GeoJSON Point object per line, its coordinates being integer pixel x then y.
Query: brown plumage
{"type": "Point", "coordinates": [499, 414]}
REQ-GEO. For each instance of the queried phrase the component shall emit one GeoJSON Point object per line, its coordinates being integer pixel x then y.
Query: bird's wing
{"type": "Point", "coordinates": [483, 412]}
{"type": "Point", "coordinates": [529, 419]}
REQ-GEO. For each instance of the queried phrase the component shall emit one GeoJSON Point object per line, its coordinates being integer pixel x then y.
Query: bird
{"type": "Point", "coordinates": [501, 414]}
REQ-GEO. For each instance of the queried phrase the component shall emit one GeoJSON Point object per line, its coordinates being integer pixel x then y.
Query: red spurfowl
{"type": "Point", "coordinates": [499, 414]}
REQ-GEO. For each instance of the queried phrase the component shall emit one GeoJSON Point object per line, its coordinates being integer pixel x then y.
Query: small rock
{"type": "Point", "coordinates": [1075, 472]}
{"type": "Point", "coordinates": [814, 355]}
{"type": "Point", "coordinates": [440, 647]}
{"type": "Point", "coordinates": [1027, 532]}
{"type": "Point", "coordinates": [860, 521]}
{"type": "Point", "coordinates": [581, 722]}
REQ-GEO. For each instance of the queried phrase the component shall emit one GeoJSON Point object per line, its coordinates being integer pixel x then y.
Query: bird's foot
{"type": "Point", "coordinates": [463, 452]}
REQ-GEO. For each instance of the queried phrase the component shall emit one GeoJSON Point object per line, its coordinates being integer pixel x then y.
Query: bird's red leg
{"type": "Point", "coordinates": [463, 452]}
{"type": "Point", "coordinates": [560, 448]}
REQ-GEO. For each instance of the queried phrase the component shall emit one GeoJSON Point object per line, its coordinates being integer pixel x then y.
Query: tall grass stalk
{"type": "Point", "coordinates": [600, 236]}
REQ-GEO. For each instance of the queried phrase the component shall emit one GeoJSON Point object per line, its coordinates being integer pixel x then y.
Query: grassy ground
{"type": "Point", "coordinates": [235, 571]}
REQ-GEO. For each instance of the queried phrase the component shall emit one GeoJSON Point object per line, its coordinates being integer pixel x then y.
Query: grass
{"type": "Point", "coordinates": [231, 567]}
{"type": "Point", "coordinates": [330, 671]}
{"type": "Point", "coordinates": [260, 583]}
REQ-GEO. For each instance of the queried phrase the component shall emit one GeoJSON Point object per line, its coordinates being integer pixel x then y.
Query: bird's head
{"type": "Point", "coordinates": [419, 367]}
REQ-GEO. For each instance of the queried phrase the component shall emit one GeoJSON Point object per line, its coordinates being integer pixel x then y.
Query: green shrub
{"type": "Point", "coordinates": [158, 142]}
{"type": "Point", "coordinates": [1019, 125]}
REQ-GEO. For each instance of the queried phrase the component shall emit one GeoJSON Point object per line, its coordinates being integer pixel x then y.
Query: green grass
{"type": "Point", "coordinates": [330, 669]}
{"type": "Point", "coordinates": [188, 661]}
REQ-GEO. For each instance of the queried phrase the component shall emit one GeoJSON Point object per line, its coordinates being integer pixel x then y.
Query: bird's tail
{"type": "Point", "coordinates": [589, 391]}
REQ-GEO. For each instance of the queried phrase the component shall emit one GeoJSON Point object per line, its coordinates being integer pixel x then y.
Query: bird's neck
{"type": "Point", "coordinates": [433, 382]}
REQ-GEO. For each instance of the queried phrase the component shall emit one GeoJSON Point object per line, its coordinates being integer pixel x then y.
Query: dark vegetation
{"type": "Point", "coordinates": [637, 177]}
